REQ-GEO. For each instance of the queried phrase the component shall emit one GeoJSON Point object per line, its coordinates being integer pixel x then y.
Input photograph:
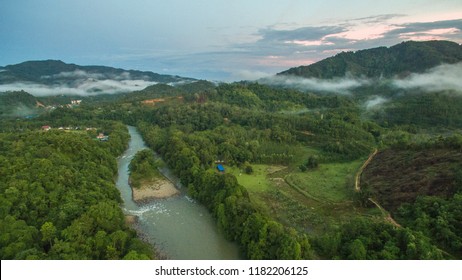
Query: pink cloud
{"type": "Point", "coordinates": [433, 34]}
{"type": "Point", "coordinates": [307, 43]}
{"type": "Point", "coordinates": [282, 61]}
{"type": "Point", "coordinates": [366, 32]}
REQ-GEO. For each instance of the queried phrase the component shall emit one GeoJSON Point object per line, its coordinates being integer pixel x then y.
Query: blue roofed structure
{"type": "Point", "coordinates": [221, 168]}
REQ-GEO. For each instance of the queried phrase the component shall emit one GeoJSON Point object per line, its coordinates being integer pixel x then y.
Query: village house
{"type": "Point", "coordinates": [102, 137]}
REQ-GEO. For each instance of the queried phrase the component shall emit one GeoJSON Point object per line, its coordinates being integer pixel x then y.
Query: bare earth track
{"type": "Point", "coordinates": [385, 213]}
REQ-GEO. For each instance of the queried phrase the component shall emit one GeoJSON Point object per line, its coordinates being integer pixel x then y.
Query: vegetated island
{"type": "Point", "coordinates": [146, 181]}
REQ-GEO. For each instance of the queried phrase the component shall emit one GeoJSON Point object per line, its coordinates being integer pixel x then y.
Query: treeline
{"type": "Point", "coordinates": [58, 198]}
{"type": "Point", "coordinates": [402, 140]}
{"type": "Point", "coordinates": [258, 236]}
{"type": "Point", "coordinates": [362, 239]}
{"type": "Point", "coordinates": [424, 110]}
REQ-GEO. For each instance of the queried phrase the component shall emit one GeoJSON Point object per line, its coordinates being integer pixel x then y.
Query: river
{"type": "Point", "coordinates": [178, 226]}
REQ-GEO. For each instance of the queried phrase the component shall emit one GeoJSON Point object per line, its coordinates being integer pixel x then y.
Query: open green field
{"type": "Point", "coordinates": [311, 201]}
{"type": "Point", "coordinates": [258, 181]}
{"type": "Point", "coordinates": [332, 182]}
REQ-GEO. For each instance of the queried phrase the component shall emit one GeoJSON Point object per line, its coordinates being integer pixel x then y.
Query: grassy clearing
{"type": "Point", "coordinates": [312, 201]}
{"type": "Point", "coordinates": [302, 154]}
{"type": "Point", "coordinates": [258, 181]}
{"type": "Point", "coordinates": [330, 182]}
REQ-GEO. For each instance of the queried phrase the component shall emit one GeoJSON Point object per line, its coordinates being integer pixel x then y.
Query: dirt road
{"type": "Point", "coordinates": [360, 171]}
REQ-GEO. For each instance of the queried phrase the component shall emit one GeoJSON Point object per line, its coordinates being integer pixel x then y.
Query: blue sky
{"type": "Point", "coordinates": [216, 40]}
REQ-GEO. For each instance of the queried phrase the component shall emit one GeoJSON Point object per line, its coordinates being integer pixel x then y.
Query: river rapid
{"type": "Point", "coordinates": [179, 226]}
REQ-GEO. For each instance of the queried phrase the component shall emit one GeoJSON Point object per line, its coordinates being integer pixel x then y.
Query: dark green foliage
{"type": "Point", "coordinates": [311, 163]}
{"type": "Point", "coordinates": [238, 95]}
{"type": "Point", "coordinates": [150, 92]}
{"type": "Point", "coordinates": [365, 239]}
{"type": "Point", "coordinates": [58, 198]}
{"type": "Point", "coordinates": [400, 59]}
{"type": "Point", "coordinates": [438, 218]}
{"type": "Point", "coordinates": [248, 169]}
{"type": "Point", "coordinates": [198, 87]}
{"type": "Point", "coordinates": [427, 110]}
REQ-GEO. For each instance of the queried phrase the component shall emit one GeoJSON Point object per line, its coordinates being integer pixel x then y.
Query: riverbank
{"type": "Point", "coordinates": [170, 224]}
{"type": "Point", "coordinates": [154, 189]}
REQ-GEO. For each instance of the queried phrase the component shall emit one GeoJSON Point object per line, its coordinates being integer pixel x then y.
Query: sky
{"type": "Point", "coordinates": [215, 39]}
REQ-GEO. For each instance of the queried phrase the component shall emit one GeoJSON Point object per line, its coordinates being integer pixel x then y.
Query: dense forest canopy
{"type": "Point", "coordinates": [59, 200]}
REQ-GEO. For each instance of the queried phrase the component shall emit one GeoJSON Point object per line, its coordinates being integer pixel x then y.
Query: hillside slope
{"type": "Point", "coordinates": [402, 59]}
{"type": "Point", "coordinates": [18, 103]}
{"type": "Point", "coordinates": [395, 176]}
{"type": "Point", "coordinates": [56, 71]}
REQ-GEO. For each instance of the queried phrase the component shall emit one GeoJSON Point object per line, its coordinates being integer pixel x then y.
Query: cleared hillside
{"type": "Point", "coordinates": [396, 176]}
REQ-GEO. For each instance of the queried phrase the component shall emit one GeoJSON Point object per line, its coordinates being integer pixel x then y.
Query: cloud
{"type": "Point", "coordinates": [84, 75]}
{"type": "Point", "coordinates": [80, 82]}
{"type": "Point", "coordinates": [85, 88]}
{"type": "Point", "coordinates": [77, 74]}
{"type": "Point", "coordinates": [340, 85]}
{"type": "Point", "coordinates": [19, 110]}
{"type": "Point", "coordinates": [437, 30]}
{"type": "Point", "coordinates": [310, 33]}
{"type": "Point", "coordinates": [273, 49]}
{"type": "Point", "coordinates": [248, 75]}
{"type": "Point", "coordinates": [281, 49]}
{"type": "Point", "coordinates": [440, 78]}
{"type": "Point", "coordinates": [374, 102]}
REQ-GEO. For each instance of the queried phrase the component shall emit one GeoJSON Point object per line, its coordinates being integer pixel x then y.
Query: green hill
{"type": "Point", "coordinates": [56, 71]}
{"type": "Point", "coordinates": [402, 59]}
{"type": "Point", "coordinates": [18, 103]}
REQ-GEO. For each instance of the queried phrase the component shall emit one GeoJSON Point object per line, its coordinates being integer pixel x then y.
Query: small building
{"type": "Point", "coordinates": [220, 168]}
{"type": "Point", "coordinates": [46, 127]}
{"type": "Point", "coordinates": [102, 137]}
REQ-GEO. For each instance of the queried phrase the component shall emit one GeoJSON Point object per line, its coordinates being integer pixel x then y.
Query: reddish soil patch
{"type": "Point", "coordinates": [397, 176]}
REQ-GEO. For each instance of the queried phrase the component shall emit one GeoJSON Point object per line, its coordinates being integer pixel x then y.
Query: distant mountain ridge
{"type": "Point", "coordinates": [398, 60]}
{"type": "Point", "coordinates": [56, 71]}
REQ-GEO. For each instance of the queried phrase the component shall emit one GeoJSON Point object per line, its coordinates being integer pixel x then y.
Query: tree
{"type": "Point", "coordinates": [312, 162]}
{"type": "Point", "coordinates": [248, 169]}
{"type": "Point", "coordinates": [48, 231]}
{"type": "Point", "coordinates": [357, 250]}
